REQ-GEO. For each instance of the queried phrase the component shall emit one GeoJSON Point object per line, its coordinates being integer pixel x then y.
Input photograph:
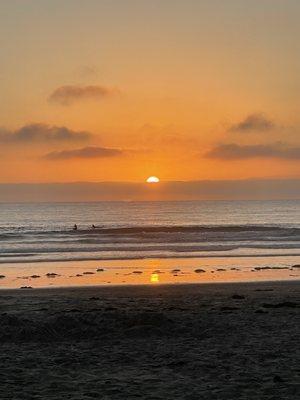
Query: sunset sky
{"type": "Point", "coordinates": [117, 90]}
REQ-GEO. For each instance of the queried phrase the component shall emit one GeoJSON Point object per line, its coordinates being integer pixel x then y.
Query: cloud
{"type": "Point", "coordinates": [253, 122]}
{"type": "Point", "coordinates": [233, 151]}
{"type": "Point", "coordinates": [87, 71]}
{"type": "Point", "coordinates": [258, 189]}
{"type": "Point", "coordinates": [68, 95]}
{"type": "Point", "coordinates": [85, 152]}
{"type": "Point", "coordinates": [43, 133]}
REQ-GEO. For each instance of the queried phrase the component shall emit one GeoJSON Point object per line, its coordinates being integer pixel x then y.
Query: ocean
{"type": "Point", "coordinates": [139, 230]}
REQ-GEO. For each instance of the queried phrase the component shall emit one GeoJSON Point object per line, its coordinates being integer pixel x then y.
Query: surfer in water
{"type": "Point", "coordinates": [75, 227]}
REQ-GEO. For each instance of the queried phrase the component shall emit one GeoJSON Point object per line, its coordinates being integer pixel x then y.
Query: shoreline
{"type": "Point", "coordinates": [162, 257]}
{"type": "Point", "coordinates": [185, 285]}
{"type": "Point", "coordinates": [149, 271]}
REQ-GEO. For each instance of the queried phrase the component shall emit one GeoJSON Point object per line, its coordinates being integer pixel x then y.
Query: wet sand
{"type": "Point", "coordinates": [204, 341]}
{"type": "Point", "coordinates": [145, 271]}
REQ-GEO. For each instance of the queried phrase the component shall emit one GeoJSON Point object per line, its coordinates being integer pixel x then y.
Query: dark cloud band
{"type": "Point", "coordinates": [233, 151]}
{"type": "Point", "coordinates": [39, 133]}
{"type": "Point", "coordinates": [253, 122]}
{"type": "Point", "coordinates": [68, 95]}
{"type": "Point", "coordinates": [207, 190]}
{"type": "Point", "coordinates": [85, 152]}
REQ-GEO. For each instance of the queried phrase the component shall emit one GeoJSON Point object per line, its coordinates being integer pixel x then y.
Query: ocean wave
{"type": "Point", "coordinates": [136, 230]}
{"type": "Point", "coordinates": [137, 256]}
{"type": "Point", "coordinates": [187, 229]}
{"type": "Point", "coordinates": [140, 241]}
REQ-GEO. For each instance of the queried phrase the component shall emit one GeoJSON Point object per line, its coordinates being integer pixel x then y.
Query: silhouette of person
{"type": "Point", "coordinates": [93, 226]}
{"type": "Point", "coordinates": [75, 227]}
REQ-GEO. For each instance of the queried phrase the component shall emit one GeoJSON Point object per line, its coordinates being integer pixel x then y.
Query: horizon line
{"type": "Point", "coordinates": [160, 181]}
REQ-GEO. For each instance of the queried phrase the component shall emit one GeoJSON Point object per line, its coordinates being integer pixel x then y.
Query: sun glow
{"type": "Point", "coordinates": [153, 179]}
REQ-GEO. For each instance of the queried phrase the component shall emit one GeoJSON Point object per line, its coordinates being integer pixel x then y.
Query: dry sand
{"type": "Point", "coordinates": [221, 341]}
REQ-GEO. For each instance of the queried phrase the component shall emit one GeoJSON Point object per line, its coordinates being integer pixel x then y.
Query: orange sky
{"type": "Point", "coordinates": [118, 91]}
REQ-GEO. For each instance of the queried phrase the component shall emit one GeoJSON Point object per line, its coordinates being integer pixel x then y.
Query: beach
{"type": "Point", "coordinates": [148, 243]}
{"type": "Point", "coordinates": [187, 300]}
{"type": "Point", "coordinates": [149, 200]}
{"type": "Point", "coordinates": [197, 341]}
{"type": "Point", "coordinates": [149, 271]}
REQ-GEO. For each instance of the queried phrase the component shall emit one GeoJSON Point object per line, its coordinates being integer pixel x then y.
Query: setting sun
{"type": "Point", "coordinates": [153, 179]}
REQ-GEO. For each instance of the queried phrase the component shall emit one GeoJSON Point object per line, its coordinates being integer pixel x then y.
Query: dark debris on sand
{"type": "Point", "coordinates": [284, 304]}
{"type": "Point", "coordinates": [160, 342]}
{"type": "Point", "coordinates": [199, 271]}
{"type": "Point", "coordinates": [238, 297]}
{"type": "Point", "coordinates": [51, 275]}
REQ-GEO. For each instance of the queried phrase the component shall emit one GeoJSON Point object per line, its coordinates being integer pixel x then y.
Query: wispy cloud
{"type": "Point", "coordinates": [85, 152]}
{"type": "Point", "coordinates": [233, 151]}
{"type": "Point", "coordinates": [68, 95]}
{"type": "Point", "coordinates": [88, 71]}
{"type": "Point", "coordinates": [253, 122]}
{"type": "Point", "coordinates": [40, 133]}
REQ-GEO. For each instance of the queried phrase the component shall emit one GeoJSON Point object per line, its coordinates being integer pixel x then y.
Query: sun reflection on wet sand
{"type": "Point", "coordinates": [154, 278]}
